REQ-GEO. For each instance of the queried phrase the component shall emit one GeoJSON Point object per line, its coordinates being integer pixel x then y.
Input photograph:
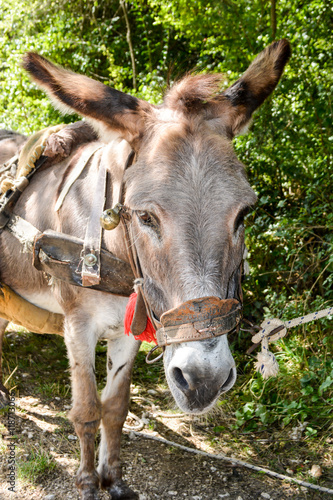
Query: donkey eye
{"type": "Point", "coordinates": [150, 221]}
{"type": "Point", "coordinates": [239, 222]}
{"type": "Point", "coordinates": [146, 218]}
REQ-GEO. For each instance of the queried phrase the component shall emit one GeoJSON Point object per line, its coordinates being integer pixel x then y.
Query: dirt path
{"type": "Point", "coordinates": [155, 470]}
{"type": "Point", "coordinates": [47, 451]}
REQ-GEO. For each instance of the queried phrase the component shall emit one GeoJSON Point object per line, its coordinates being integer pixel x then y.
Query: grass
{"type": "Point", "coordinates": [55, 389]}
{"type": "Point", "coordinates": [303, 389]}
{"type": "Point", "coordinates": [38, 464]}
{"type": "Point", "coordinates": [3, 446]}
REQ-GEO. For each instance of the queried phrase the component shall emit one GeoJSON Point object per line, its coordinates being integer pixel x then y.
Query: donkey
{"type": "Point", "coordinates": [10, 144]}
{"type": "Point", "coordinates": [187, 194]}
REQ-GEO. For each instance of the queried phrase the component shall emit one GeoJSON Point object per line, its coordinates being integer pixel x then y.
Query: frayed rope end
{"type": "Point", "coordinates": [266, 364]}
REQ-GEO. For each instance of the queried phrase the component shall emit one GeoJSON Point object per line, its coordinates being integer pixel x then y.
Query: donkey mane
{"type": "Point", "coordinates": [192, 92]}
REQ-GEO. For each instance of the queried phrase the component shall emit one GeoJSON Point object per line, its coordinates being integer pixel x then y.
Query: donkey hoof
{"type": "Point", "coordinates": [4, 396]}
{"type": "Point", "coordinates": [120, 491]}
{"type": "Point", "coordinates": [88, 484]}
{"type": "Point", "coordinates": [89, 494]}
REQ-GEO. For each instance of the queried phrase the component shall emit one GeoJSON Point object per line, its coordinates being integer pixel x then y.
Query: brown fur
{"type": "Point", "coordinates": [71, 92]}
{"type": "Point", "coordinates": [115, 411]}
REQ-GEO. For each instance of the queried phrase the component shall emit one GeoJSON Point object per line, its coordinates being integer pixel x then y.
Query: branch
{"type": "Point", "coordinates": [233, 461]}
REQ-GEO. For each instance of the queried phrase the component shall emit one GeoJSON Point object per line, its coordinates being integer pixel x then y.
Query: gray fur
{"type": "Point", "coordinates": [10, 144]}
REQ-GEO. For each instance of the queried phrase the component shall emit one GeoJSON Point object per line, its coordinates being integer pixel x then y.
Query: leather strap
{"type": "Point", "coordinates": [91, 260]}
{"type": "Point", "coordinates": [142, 308]}
{"type": "Point", "coordinates": [23, 231]}
{"type": "Point", "coordinates": [199, 319]}
{"type": "Point", "coordinates": [139, 321]}
{"type": "Point", "coordinates": [76, 172]}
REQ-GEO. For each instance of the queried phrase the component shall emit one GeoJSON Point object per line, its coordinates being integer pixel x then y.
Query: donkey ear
{"type": "Point", "coordinates": [109, 110]}
{"type": "Point", "coordinates": [234, 107]}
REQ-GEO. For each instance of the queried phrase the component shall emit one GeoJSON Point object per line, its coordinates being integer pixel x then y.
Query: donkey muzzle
{"type": "Point", "coordinates": [199, 319]}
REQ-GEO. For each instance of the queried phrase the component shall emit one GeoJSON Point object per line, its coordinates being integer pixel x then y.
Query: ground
{"type": "Point", "coordinates": [47, 452]}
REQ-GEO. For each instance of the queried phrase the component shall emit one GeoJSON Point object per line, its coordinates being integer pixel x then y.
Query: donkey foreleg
{"type": "Point", "coordinates": [4, 393]}
{"type": "Point", "coordinates": [86, 410]}
{"type": "Point", "coordinates": [115, 401]}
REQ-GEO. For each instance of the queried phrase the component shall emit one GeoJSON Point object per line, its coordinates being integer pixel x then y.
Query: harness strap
{"type": "Point", "coordinates": [23, 231]}
{"type": "Point", "coordinates": [129, 162]}
{"type": "Point", "coordinates": [60, 258]}
{"type": "Point", "coordinates": [143, 308]}
{"type": "Point", "coordinates": [91, 253]}
{"type": "Point", "coordinates": [76, 172]}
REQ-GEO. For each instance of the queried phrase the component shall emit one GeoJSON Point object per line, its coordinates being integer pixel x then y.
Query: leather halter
{"type": "Point", "coordinates": [198, 319]}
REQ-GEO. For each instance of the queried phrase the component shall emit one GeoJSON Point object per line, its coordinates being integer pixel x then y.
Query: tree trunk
{"type": "Point", "coordinates": [129, 41]}
{"type": "Point", "coordinates": [273, 18]}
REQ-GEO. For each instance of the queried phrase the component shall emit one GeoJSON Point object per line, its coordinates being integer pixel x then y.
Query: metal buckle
{"type": "Point", "coordinates": [151, 361]}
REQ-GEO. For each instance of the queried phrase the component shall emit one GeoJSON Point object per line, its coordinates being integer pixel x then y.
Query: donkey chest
{"type": "Point", "coordinates": [44, 299]}
{"type": "Point", "coordinates": [102, 313]}
{"type": "Point", "coordinates": [106, 313]}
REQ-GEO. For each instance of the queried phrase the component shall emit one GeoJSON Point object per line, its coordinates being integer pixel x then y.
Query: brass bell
{"type": "Point", "coordinates": [110, 218]}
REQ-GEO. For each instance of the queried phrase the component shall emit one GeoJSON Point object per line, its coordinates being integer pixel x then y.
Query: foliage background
{"type": "Point", "coordinates": [142, 46]}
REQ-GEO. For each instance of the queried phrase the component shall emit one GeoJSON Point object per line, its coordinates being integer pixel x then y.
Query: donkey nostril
{"type": "Point", "coordinates": [180, 380]}
{"type": "Point", "coordinates": [228, 381]}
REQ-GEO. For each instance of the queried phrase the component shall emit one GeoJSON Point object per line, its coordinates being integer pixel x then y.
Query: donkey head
{"type": "Point", "coordinates": [187, 192]}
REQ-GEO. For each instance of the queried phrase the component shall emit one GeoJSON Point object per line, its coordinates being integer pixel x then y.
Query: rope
{"type": "Point", "coordinates": [234, 461]}
{"type": "Point", "coordinates": [273, 330]}
{"type": "Point", "coordinates": [138, 426]}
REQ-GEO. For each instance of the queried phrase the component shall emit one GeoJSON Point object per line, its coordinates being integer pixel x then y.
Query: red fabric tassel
{"type": "Point", "coordinates": [148, 334]}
